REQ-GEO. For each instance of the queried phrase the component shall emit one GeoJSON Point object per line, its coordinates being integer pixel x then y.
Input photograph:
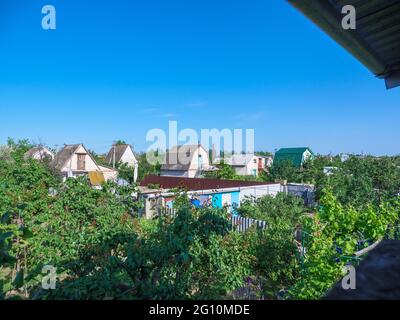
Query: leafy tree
{"type": "Point", "coordinates": [145, 168]}
{"type": "Point", "coordinates": [275, 249]}
{"type": "Point", "coordinates": [270, 208]}
{"type": "Point", "coordinates": [284, 170]}
{"type": "Point", "coordinates": [331, 239]}
{"type": "Point", "coordinates": [224, 172]}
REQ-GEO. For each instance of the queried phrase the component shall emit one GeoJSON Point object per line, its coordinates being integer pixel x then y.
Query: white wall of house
{"type": "Point", "coordinates": [306, 155]}
{"type": "Point", "coordinates": [260, 191]}
{"type": "Point", "coordinates": [129, 157]}
{"type": "Point", "coordinates": [241, 171]}
{"type": "Point", "coordinates": [250, 168]}
{"type": "Point", "coordinates": [109, 173]}
{"type": "Point", "coordinates": [72, 163]}
{"type": "Point", "coordinates": [43, 153]}
{"type": "Point", "coordinates": [244, 192]}
{"type": "Point", "coordinates": [200, 157]}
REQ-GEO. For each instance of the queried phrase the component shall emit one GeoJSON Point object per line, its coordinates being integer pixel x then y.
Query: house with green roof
{"type": "Point", "coordinates": [297, 156]}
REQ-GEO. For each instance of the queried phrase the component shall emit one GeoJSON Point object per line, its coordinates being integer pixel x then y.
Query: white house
{"type": "Point", "coordinates": [157, 192]}
{"type": "Point", "coordinates": [123, 153]}
{"type": "Point", "coordinates": [268, 161]}
{"type": "Point", "coordinates": [74, 160]}
{"type": "Point", "coordinates": [188, 161]}
{"type": "Point", "coordinates": [247, 164]}
{"type": "Point", "coordinates": [39, 153]}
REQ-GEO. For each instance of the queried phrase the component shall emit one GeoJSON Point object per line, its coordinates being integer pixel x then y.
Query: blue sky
{"type": "Point", "coordinates": [116, 69]}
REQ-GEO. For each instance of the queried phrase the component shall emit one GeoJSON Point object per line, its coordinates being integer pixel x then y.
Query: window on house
{"type": "Point", "coordinates": [188, 154]}
{"type": "Point", "coordinates": [81, 162]}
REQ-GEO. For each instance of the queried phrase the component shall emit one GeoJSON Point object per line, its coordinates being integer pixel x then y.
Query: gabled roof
{"type": "Point", "coordinates": [240, 160]}
{"type": "Point", "coordinates": [120, 149]}
{"type": "Point", "coordinates": [64, 155]}
{"type": "Point", "coordinates": [293, 150]}
{"type": "Point", "coordinates": [294, 155]}
{"type": "Point", "coordinates": [196, 184]}
{"type": "Point", "coordinates": [176, 159]}
{"type": "Point", "coordinates": [31, 152]}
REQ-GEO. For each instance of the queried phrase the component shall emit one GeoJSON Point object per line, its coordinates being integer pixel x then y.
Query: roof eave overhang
{"type": "Point", "coordinates": [325, 15]}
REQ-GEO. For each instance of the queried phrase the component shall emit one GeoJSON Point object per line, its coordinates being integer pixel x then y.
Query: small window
{"type": "Point", "coordinates": [188, 154]}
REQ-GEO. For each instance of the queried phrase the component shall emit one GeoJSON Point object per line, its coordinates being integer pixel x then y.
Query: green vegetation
{"type": "Point", "coordinates": [226, 172]}
{"type": "Point", "coordinates": [102, 250]}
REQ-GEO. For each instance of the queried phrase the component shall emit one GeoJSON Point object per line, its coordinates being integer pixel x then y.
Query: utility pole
{"type": "Point", "coordinates": [114, 156]}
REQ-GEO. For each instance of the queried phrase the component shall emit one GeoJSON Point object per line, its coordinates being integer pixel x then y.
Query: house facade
{"type": "Point", "coordinates": [74, 161]}
{"type": "Point", "coordinates": [245, 164]}
{"type": "Point", "coordinates": [39, 153]}
{"type": "Point", "coordinates": [296, 156]}
{"type": "Point", "coordinates": [187, 161]}
{"type": "Point", "coordinates": [123, 153]}
{"type": "Point", "coordinates": [249, 164]}
{"type": "Point", "coordinates": [157, 195]}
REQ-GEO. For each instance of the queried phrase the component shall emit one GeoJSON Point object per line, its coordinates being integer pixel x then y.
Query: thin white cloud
{"type": "Point", "coordinates": [169, 115]}
{"type": "Point", "coordinates": [150, 110]}
{"type": "Point", "coordinates": [196, 104]}
{"type": "Point", "coordinates": [250, 116]}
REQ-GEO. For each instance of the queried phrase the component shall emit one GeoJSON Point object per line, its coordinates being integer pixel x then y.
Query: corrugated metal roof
{"type": "Point", "coordinates": [376, 40]}
{"type": "Point", "coordinates": [195, 184]}
{"type": "Point", "coordinates": [299, 150]}
{"type": "Point", "coordinates": [294, 155]}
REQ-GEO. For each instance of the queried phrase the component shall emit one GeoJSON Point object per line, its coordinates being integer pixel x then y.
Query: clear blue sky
{"type": "Point", "coordinates": [116, 69]}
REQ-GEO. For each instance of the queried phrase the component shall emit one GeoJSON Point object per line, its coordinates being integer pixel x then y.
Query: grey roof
{"type": "Point", "coordinates": [64, 155]}
{"type": "Point", "coordinates": [179, 158]}
{"type": "Point", "coordinates": [119, 152]}
{"type": "Point", "coordinates": [376, 40]}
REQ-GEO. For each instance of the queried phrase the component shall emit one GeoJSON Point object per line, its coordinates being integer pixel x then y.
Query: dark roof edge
{"type": "Point", "coordinates": [326, 16]}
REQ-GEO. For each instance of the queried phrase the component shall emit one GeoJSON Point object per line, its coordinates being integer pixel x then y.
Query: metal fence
{"type": "Point", "coordinates": [242, 224]}
{"type": "Point", "coordinates": [239, 224]}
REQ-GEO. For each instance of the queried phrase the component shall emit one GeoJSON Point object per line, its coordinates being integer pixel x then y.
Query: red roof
{"type": "Point", "coordinates": [194, 184]}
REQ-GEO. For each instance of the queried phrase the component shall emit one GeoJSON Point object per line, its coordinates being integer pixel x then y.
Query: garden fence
{"type": "Point", "coordinates": [239, 224]}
